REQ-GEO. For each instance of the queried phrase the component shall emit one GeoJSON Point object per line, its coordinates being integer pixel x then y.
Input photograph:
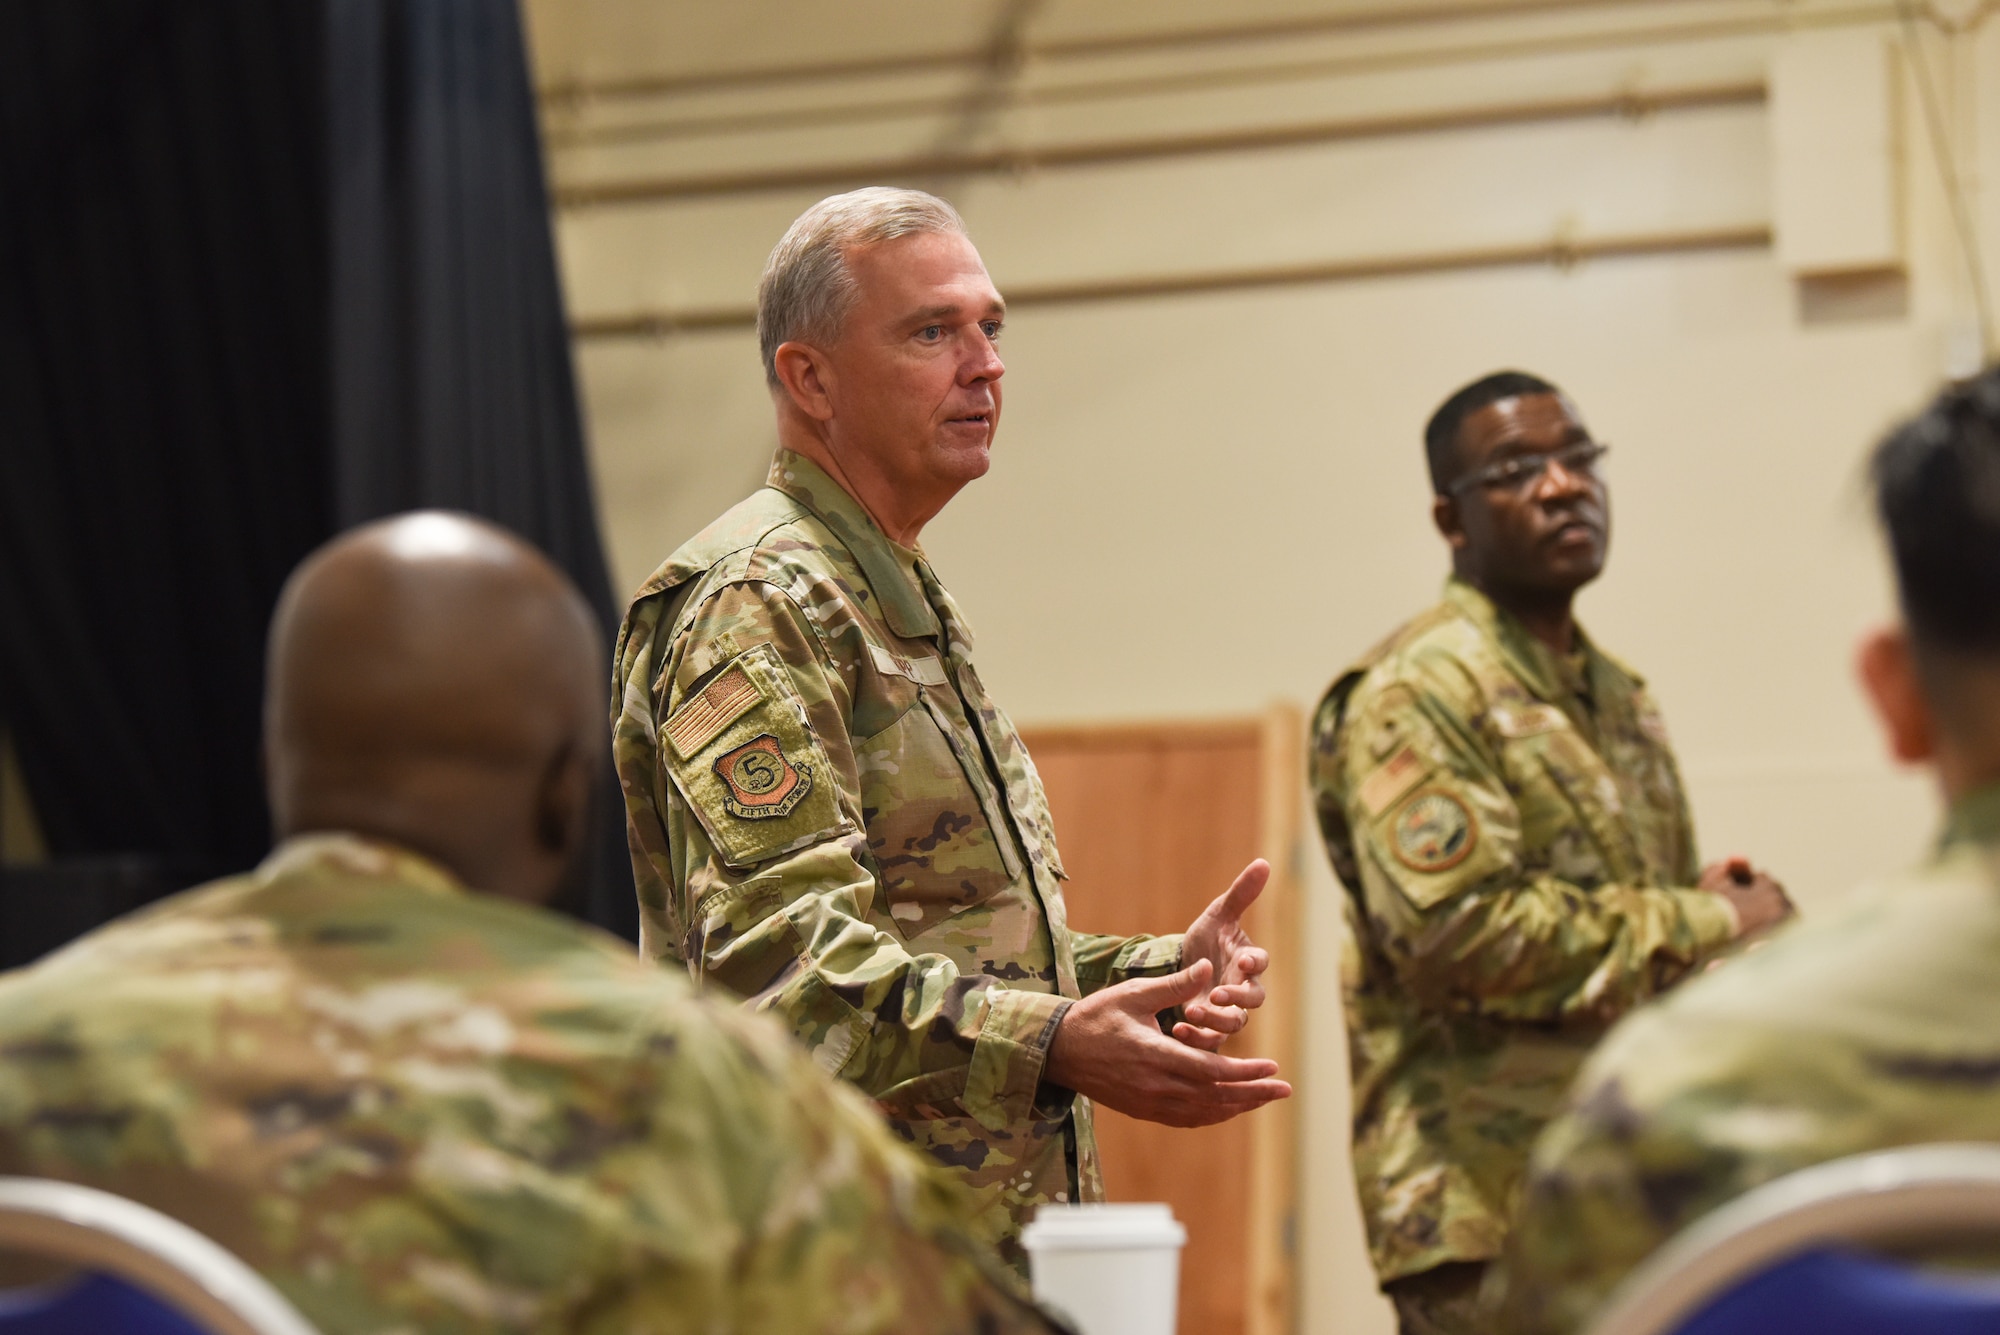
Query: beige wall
{"type": "Point", "coordinates": [1203, 503]}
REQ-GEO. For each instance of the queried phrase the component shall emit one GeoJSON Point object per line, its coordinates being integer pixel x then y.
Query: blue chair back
{"type": "Point", "coordinates": [1802, 1254]}
{"type": "Point", "coordinates": [1834, 1291]}
{"type": "Point", "coordinates": [91, 1304]}
{"type": "Point", "coordinates": [141, 1271]}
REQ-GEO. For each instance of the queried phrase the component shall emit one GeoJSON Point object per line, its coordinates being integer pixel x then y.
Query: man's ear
{"type": "Point", "coordinates": [562, 803]}
{"type": "Point", "coordinates": [1888, 673]}
{"type": "Point", "coordinates": [806, 378]}
{"type": "Point", "coordinates": [1444, 513]}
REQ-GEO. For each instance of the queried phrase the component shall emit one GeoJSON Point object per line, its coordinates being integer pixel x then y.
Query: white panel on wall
{"type": "Point", "coordinates": [1837, 153]}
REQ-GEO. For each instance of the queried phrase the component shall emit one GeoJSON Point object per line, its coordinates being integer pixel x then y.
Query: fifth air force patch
{"type": "Point", "coordinates": [760, 783]}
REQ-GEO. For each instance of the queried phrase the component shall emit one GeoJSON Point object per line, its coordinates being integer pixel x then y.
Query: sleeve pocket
{"type": "Point", "coordinates": [1439, 840]}
{"type": "Point", "coordinates": [741, 754]}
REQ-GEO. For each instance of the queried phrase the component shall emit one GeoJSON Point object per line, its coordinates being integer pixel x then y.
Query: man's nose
{"type": "Point", "coordinates": [982, 362]}
{"type": "Point", "coordinates": [1558, 482]}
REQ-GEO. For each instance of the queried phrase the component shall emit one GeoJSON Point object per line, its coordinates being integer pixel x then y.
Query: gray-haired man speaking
{"type": "Point", "coordinates": [827, 812]}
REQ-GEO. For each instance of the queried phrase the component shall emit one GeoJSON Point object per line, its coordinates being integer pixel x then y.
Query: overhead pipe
{"type": "Point", "coordinates": [1384, 16]}
{"type": "Point", "coordinates": [1202, 80]}
{"type": "Point", "coordinates": [1562, 251]}
{"type": "Point", "coordinates": [1017, 161]}
{"type": "Point", "coordinates": [1389, 16]}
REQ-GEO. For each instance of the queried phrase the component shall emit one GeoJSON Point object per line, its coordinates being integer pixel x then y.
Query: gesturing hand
{"type": "Point", "coordinates": [1218, 937]}
{"type": "Point", "coordinates": [1110, 1049]}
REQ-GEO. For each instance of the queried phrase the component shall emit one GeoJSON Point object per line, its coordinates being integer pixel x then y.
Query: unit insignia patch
{"type": "Point", "coordinates": [1433, 832]}
{"type": "Point", "coordinates": [761, 783]}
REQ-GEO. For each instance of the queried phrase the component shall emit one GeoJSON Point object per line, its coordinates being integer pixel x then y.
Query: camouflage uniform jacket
{"type": "Point", "coordinates": [1511, 829]}
{"type": "Point", "coordinates": [830, 816]}
{"type": "Point", "coordinates": [1875, 1026]}
{"type": "Point", "coordinates": [414, 1108]}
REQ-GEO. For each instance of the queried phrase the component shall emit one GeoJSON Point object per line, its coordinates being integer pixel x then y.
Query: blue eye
{"type": "Point", "coordinates": [931, 333]}
{"type": "Point", "coordinates": [993, 329]}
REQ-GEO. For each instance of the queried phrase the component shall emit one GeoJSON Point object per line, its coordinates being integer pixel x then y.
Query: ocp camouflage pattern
{"type": "Point", "coordinates": [1872, 1026]}
{"type": "Point", "coordinates": [906, 917]}
{"type": "Point", "coordinates": [417, 1109]}
{"type": "Point", "coordinates": [1511, 829]}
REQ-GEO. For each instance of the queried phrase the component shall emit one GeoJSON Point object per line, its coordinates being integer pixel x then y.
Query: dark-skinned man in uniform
{"type": "Point", "coordinates": [1500, 801]}
{"type": "Point", "coordinates": [414, 1101]}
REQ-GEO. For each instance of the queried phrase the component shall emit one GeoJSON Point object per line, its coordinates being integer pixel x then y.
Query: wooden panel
{"type": "Point", "coordinates": [1153, 822]}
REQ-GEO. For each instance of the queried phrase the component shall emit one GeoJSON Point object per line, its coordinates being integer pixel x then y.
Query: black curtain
{"type": "Point", "coordinates": [265, 271]}
{"type": "Point", "coordinates": [451, 363]}
{"type": "Point", "coordinates": [163, 447]}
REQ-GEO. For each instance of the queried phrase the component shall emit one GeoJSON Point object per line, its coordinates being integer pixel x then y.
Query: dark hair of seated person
{"type": "Point", "coordinates": [1937, 492]}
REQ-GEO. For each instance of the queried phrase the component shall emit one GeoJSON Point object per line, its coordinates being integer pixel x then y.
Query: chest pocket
{"type": "Point", "coordinates": [1573, 820]}
{"type": "Point", "coordinates": [1025, 796]}
{"type": "Point", "coordinates": [934, 825]}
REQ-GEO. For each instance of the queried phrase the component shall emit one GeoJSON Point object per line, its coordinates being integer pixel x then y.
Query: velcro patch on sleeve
{"type": "Point", "coordinates": [1402, 772]}
{"type": "Point", "coordinates": [748, 765]}
{"type": "Point", "coordinates": [713, 708]}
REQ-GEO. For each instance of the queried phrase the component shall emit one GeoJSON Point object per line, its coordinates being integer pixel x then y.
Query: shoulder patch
{"type": "Point", "coordinates": [713, 708]}
{"type": "Point", "coordinates": [1390, 781]}
{"type": "Point", "coordinates": [1434, 832]}
{"type": "Point", "coordinates": [745, 760]}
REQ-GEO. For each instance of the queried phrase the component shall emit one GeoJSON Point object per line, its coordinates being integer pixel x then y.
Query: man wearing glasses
{"type": "Point", "coordinates": [1499, 798]}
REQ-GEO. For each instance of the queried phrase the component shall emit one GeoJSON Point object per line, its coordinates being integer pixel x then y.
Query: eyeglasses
{"type": "Point", "coordinates": [1580, 460]}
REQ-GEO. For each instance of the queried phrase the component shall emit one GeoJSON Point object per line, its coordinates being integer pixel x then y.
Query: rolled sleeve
{"type": "Point", "coordinates": [1004, 1081]}
{"type": "Point", "coordinates": [1710, 918]}
{"type": "Point", "coordinates": [1104, 961]}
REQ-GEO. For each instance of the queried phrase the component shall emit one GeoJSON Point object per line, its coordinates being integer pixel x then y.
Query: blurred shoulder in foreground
{"type": "Point", "coordinates": [414, 1099]}
{"type": "Point", "coordinates": [1870, 1029]}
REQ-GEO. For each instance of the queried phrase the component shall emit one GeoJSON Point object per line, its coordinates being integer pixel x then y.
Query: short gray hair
{"type": "Point", "coordinates": [807, 289]}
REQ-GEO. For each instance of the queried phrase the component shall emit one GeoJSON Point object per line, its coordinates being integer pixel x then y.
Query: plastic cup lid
{"type": "Point", "coordinates": [1102, 1227]}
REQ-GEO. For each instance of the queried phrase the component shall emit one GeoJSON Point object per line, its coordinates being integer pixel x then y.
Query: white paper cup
{"type": "Point", "coordinates": [1107, 1269]}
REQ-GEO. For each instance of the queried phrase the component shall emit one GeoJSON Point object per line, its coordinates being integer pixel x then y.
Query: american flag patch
{"type": "Point", "coordinates": [716, 706]}
{"type": "Point", "coordinates": [1380, 789]}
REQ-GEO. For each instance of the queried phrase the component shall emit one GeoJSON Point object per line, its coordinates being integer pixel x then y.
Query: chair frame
{"type": "Point", "coordinates": [1900, 1196]}
{"type": "Point", "coordinates": [69, 1222]}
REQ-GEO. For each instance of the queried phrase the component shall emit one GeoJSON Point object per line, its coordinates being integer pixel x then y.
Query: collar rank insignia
{"type": "Point", "coordinates": [761, 783]}
{"type": "Point", "coordinates": [1433, 832]}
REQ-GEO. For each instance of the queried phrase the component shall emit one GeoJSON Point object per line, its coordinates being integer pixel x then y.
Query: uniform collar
{"type": "Point", "coordinates": [1543, 670]}
{"type": "Point", "coordinates": [356, 855]}
{"type": "Point", "coordinates": [1974, 818]}
{"type": "Point", "coordinates": [890, 567]}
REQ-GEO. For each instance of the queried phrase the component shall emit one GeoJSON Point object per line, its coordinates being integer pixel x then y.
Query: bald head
{"type": "Point", "coordinates": [437, 683]}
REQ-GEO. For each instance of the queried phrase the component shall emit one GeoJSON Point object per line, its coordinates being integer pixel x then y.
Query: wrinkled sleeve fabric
{"type": "Point", "coordinates": [817, 1218]}
{"type": "Point", "coordinates": [1106, 961]}
{"type": "Point", "coordinates": [1472, 926]}
{"type": "Point", "coordinates": [777, 908]}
